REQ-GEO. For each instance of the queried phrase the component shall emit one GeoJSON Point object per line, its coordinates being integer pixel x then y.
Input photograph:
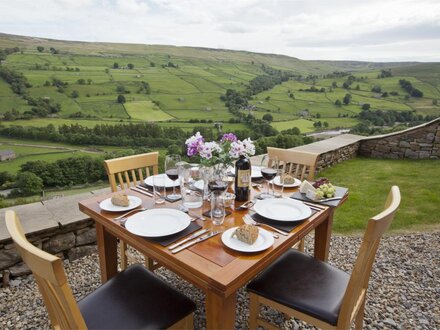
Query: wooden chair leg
{"type": "Point", "coordinates": [301, 245]}
{"type": "Point", "coordinates": [149, 263]}
{"type": "Point", "coordinates": [254, 311]}
{"type": "Point", "coordinates": [359, 321]}
{"type": "Point", "coordinates": [122, 250]}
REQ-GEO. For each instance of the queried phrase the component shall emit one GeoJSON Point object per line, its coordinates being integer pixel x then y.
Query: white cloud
{"type": "Point", "coordinates": [319, 29]}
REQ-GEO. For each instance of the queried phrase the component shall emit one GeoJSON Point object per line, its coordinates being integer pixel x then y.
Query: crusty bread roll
{"type": "Point", "coordinates": [246, 233]}
{"type": "Point", "coordinates": [120, 200]}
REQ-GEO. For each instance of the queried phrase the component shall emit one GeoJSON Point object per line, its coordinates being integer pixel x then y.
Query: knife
{"type": "Point", "coordinates": [142, 191]}
{"type": "Point", "coordinates": [144, 188]}
{"type": "Point", "coordinates": [196, 234]}
{"type": "Point", "coordinates": [328, 199]}
{"type": "Point", "coordinates": [197, 240]}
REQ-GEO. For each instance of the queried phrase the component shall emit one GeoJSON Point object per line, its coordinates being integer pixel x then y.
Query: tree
{"type": "Point", "coordinates": [115, 65]}
{"type": "Point", "coordinates": [376, 89]}
{"type": "Point", "coordinates": [267, 98]}
{"type": "Point", "coordinates": [325, 124]}
{"type": "Point", "coordinates": [81, 81]}
{"type": "Point", "coordinates": [268, 117]}
{"type": "Point", "coordinates": [152, 64]}
{"type": "Point", "coordinates": [29, 184]}
{"type": "Point", "coordinates": [40, 49]}
{"type": "Point", "coordinates": [334, 84]}
{"type": "Point", "coordinates": [434, 102]}
{"type": "Point", "coordinates": [121, 89]}
{"type": "Point", "coordinates": [121, 99]}
{"type": "Point", "coordinates": [318, 115]}
{"type": "Point", "coordinates": [347, 99]}
{"type": "Point", "coordinates": [365, 106]}
{"type": "Point", "coordinates": [74, 94]}
{"type": "Point", "coordinates": [130, 66]}
{"type": "Point", "coordinates": [338, 103]}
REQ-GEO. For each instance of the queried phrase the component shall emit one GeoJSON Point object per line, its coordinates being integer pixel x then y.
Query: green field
{"type": "Point", "coordinates": [186, 83]}
{"type": "Point", "coordinates": [146, 111]}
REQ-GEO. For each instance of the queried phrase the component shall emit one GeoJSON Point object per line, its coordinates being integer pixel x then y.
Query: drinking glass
{"type": "Point", "coordinates": [269, 170]}
{"type": "Point", "coordinates": [159, 190]}
{"type": "Point", "coordinates": [171, 170]}
{"type": "Point", "coordinates": [217, 178]}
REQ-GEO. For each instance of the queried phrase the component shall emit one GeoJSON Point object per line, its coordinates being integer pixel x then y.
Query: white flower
{"type": "Point", "coordinates": [207, 149]}
{"type": "Point", "coordinates": [237, 149]}
{"type": "Point", "coordinates": [249, 147]}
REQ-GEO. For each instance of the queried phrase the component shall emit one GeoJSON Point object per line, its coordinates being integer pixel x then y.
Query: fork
{"type": "Point", "coordinates": [128, 213]}
{"type": "Point", "coordinates": [248, 219]}
{"type": "Point", "coordinates": [246, 205]}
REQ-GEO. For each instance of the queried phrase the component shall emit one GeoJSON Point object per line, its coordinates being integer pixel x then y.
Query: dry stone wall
{"type": "Point", "coordinates": [331, 158]}
{"type": "Point", "coordinates": [68, 242]}
{"type": "Point", "coordinates": [421, 142]}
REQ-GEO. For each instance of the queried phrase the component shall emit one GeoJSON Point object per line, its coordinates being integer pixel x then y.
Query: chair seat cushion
{"type": "Point", "coordinates": [305, 284]}
{"type": "Point", "coordinates": [134, 299]}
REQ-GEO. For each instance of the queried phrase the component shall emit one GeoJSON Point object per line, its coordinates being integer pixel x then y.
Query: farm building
{"type": "Point", "coordinates": [6, 155]}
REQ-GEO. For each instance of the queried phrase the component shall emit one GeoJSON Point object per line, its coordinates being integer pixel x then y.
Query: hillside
{"type": "Point", "coordinates": [182, 85]}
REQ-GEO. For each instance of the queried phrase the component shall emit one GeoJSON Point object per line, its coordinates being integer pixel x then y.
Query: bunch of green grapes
{"type": "Point", "coordinates": [326, 190]}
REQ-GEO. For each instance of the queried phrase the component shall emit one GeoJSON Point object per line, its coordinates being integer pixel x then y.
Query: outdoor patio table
{"type": "Point", "coordinates": [209, 265]}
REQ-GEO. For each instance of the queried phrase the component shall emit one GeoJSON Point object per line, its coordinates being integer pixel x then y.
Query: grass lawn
{"type": "Point", "coordinates": [369, 181]}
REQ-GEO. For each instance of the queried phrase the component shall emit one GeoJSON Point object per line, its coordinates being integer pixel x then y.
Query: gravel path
{"type": "Point", "coordinates": [404, 288]}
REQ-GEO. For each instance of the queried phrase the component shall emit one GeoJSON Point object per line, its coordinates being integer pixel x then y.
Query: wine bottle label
{"type": "Point", "coordinates": [243, 178]}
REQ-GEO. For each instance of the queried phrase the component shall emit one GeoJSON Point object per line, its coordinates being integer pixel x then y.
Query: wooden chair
{"type": "Point", "coordinates": [125, 172]}
{"type": "Point", "coordinates": [316, 292]}
{"type": "Point", "coordinates": [133, 299]}
{"type": "Point", "coordinates": [299, 164]}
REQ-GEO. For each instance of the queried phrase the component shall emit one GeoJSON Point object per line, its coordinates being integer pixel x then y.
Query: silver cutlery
{"type": "Point", "coordinates": [328, 199]}
{"type": "Point", "coordinates": [196, 234]}
{"type": "Point", "coordinates": [128, 213]}
{"type": "Point", "coordinates": [195, 241]}
{"type": "Point", "coordinates": [248, 219]}
{"type": "Point", "coordinates": [314, 206]}
{"type": "Point", "coordinates": [143, 188]}
{"type": "Point", "coordinates": [246, 205]}
{"type": "Point", "coordinates": [142, 192]}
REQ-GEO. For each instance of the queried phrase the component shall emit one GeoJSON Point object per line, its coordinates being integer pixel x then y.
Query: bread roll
{"type": "Point", "coordinates": [247, 234]}
{"type": "Point", "coordinates": [120, 200]}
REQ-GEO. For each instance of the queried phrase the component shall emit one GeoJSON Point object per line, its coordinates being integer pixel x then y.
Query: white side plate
{"type": "Point", "coordinates": [107, 205]}
{"type": "Point", "coordinates": [264, 241]}
{"type": "Point", "coordinates": [277, 181]}
{"type": "Point", "coordinates": [168, 183]}
{"type": "Point", "coordinates": [282, 209]}
{"type": "Point", "coordinates": [157, 222]}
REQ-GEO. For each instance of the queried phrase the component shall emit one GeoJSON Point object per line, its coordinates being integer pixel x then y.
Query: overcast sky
{"type": "Point", "coordinates": [382, 30]}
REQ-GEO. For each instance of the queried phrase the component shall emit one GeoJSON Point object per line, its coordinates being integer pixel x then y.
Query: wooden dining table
{"type": "Point", "coordinates": [211, 266]}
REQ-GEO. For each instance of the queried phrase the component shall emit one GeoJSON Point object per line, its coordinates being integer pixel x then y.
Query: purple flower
{"type": "Point", "coordinates": [228, 137]}
{"type": "Point", "coordinates": [193, 144]}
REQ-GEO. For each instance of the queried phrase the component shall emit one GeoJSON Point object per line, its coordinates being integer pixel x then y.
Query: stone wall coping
{"type": "Point", "coordinates": [405, 131]}
{"type": "Point", "coordinates": [334, 143]}
{"type": "Point", "coordinates": [48, 215]}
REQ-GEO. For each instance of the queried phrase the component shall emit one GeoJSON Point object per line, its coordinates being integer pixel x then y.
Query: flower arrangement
{"type": "Point", "coordinates": [228, 149]}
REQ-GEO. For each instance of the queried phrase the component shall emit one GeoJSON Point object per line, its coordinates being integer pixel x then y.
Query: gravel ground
{"type": "Point", "coordinates": [404, 290]}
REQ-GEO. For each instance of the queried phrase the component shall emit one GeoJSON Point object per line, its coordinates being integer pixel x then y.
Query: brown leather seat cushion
{"type": "Point", "coordinates": [134, 299]}
{"type": "Point", "coordinates": [305, 284]}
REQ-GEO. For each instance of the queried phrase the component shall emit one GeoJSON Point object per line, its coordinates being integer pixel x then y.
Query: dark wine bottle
{"type": "Point", "coordinates": [242, 179]}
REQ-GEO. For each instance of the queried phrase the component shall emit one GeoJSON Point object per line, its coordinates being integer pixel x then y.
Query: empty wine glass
{"type": "Point", "coordinates": [171, 170]}
{"type": "Point", "coordinates": [269, 170]}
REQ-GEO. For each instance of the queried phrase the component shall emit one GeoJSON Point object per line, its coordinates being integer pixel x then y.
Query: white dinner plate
{"type": "Point", "coordinates": [157, 222]}
{"type": "Point", "coordinates": [282, 209]}
{"type": "Point", "coordinates": [256, 172]}
{"type": "Point", "coordinates": [168, 182]}
{"type": "Point", "coordinates": [264, 241]}
{"type": "Point", "coordinates": [107, 204]}
{"type": "Point", "coordinates": [277, 181]}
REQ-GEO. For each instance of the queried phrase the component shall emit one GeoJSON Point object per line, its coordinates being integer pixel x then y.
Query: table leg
{"type": "Point", "coordinates": [220, 311]}
{"type": "Point", "coordinates": [107, 250]}
{"type": "Point", "coordinates": [323, 234]}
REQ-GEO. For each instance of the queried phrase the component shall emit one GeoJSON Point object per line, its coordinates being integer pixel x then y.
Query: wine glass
{"type": "Point", "coordinates": [171, 170]}
{"type": "Point", "coordinates": [269, 170]}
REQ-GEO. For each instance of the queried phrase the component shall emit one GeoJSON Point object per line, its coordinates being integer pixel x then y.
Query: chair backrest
{"type": "Point", "coordinates": [358, 284]}
{"type": "Point", "coordinates": [300, 164]}
{"type": "Point", "coordinates": [51, 279]}
{"type": "Point", "coordinates": [131, 170]}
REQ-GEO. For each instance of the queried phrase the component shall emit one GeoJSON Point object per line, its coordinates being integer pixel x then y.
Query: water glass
{"type": "Point", "coordinates": [217, 208]}
{"type": "Point", "coordinates": [159, 190]}
{"type": "Point", "coordinates": [191, 186]}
